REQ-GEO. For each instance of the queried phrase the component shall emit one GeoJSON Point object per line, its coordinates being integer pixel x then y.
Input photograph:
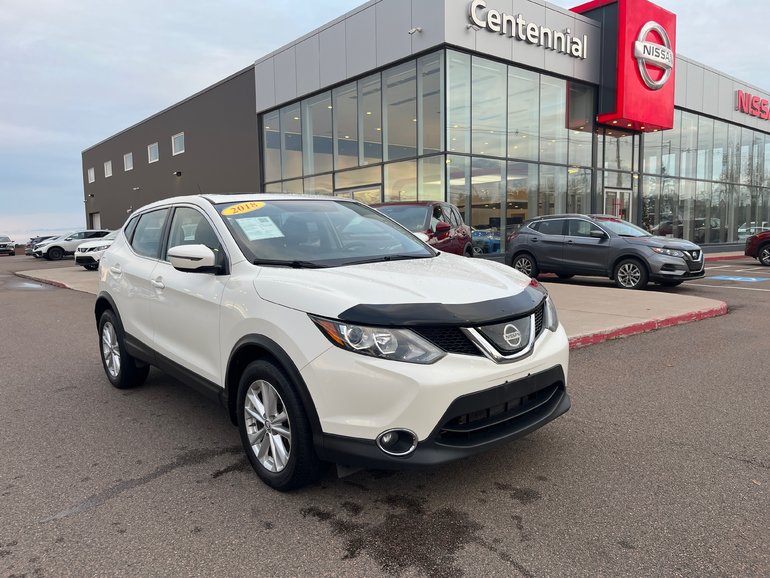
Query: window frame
{"type": "Point", "coordinates": [175, 152]}
{"type": "Point", "coordinates": [107, 169]}
{"type": "Point", "coordinates": [91, 174]}
{"type": "Point", "coordinates": [128, 157]}
{"type": "Point", "coordinates": [149, 154]}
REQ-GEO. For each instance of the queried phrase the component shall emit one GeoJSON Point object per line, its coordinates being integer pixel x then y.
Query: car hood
{"type": "Point", "coordinates": [667, 242]}
{"type": "Point", "coordinates": [420, 289]}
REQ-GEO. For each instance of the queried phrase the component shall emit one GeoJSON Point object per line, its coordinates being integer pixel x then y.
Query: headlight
{"type": "Point", "coordinates": [382, 342]}
{"type": "Point", "coordinates": [100, 248]}
{"type": "Point", "coordinates": [669, 252]}
{"type": "Point", "coordinates": [551, 319]}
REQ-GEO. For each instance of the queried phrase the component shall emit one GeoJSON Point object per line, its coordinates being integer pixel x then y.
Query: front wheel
{"type": "Point", "coordinates": [122, 370]}
{"type": "Point", "coordinates": [91, 266]}
{"type": "Point", "coordinates": [525, 263]}
{"type": "Point", "coordinates": [764, 255]}
{"type": "Point", "coordinates": [274, 428]}
{"type": "Point", "coordinates": [630, 274]}
{"type": "Point", "coordinates": [55, 254]}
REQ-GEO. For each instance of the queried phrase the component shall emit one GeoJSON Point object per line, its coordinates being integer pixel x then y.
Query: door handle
{"type": "Point", "coordinates": [157, 283]}
{"type": "Point", "coordinates": [116, 270]}
{"type": "Point", "coordinates": [534, 239]}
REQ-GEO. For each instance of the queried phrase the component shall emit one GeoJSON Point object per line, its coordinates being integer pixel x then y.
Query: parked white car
{"type": "Point", "coordinates": [56, 248]}
{"type": "Point", "coordinates": [329, 332]}
{"type": "Point", "coordinates": [89, 253]}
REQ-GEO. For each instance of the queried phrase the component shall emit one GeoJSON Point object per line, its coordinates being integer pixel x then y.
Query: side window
{"type": "Point", "coordinates": [129, 230]}
{"type": "Point", "coordinates": [190, 227]}
{"type": "Point", "coordinates": [96, 234]}
{"type": "Point", "coordinates": [551, 227]}
{"type": "Point", "coordinates": [147, 236]}
{"type": "Point", "coordinates": [457, 217]}
{"type": "Point", "coordinates": [580, 228]}
{"type": "Point", "coordinates": [80, 235]}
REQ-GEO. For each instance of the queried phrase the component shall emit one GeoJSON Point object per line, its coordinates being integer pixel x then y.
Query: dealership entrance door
{"type": "Point", "coordinates": [96, 220]}
{"type": "Point", "coordinates": [618, 203]}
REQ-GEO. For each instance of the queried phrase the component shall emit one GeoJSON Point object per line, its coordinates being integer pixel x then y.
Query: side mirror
{"type": "Point", "coordinates": [598, 234]}
{"type": "Point", "coordinates": [442, 229]}
{"type": "Point", "coordinates": [192, 258]}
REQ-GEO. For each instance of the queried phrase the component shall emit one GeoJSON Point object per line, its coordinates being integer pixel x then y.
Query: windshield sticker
{"type": "Point", "coordinates": [241, 208]}
{"type": "Point", "coordinates": [258, 228]}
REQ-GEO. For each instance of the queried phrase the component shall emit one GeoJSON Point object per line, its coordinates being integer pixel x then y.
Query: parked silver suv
{"type": "Point", "coordinates": [605, 246]}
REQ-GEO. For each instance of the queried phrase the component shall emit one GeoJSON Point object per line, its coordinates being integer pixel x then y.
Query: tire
{"type": "Point", "coordinates": [564, 275]}
{"type": "Point", "coordinates": [764, 255]}
{"type": "Point", "coordinates": [468, 251]}
{"type": "Point", "coordinates": [525, 263]}
{"type": "Point", "coordinates": [92, 266]}
{"type": "Point", "coordinates": [671, 283]}
{"type": "Point", "coordinates": [121, 369]}
{"type": "Point", "coordinates": [630, 274]}
{"type": "Point", "coordinates": [277, 439]}
{"type": "Point", "coordinates": [54, 254]}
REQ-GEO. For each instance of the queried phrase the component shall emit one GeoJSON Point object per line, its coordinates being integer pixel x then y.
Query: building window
{"type": "Point", "coordinates": [152, 153]}
{"type": "Point", "coordinates": [107, 169]}
{"type": "Point", "coordinates": [271, 147]}
{"type": "Point", "coordinates": [291, 142]}
{"type": "Point", "coordinates": [91, 175]}
{"type": "Point", "coordinates": [177, 144]}
{"type": "Point", "coordinates": [128, 161]}
{"type": "Point", "coordinates": [317, 134]}
{"type": "Point", "coordinates": [345, 103]}
{"type": "Point", "coordinates": [400, 111]}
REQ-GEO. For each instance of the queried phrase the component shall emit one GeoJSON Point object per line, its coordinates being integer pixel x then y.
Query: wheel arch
{"type": "Point", "coordinates": [258, 347]}
{"type": "Point", "coordinates": [641, 260]}
{"type": "Point", "coordinates": [103, 303]}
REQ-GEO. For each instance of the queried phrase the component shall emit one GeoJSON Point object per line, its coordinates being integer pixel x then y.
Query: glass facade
{"type": "Point", "coordinates": [505, 144]}
{"type": "Point", "coordinates": [705, 180]}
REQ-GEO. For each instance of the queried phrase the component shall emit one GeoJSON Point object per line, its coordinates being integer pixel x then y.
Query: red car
{"type": "Point", "coordinates": [758, 246]}
{"type": "Point", "coordinates": [440, 222]}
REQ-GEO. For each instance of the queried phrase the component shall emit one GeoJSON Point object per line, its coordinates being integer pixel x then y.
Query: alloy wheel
{"type": "Point", "coordinates": [764, 256]}
{"type": "Point", "coordinates": [524, 265]}
{"type": "Point", "coordinates": [629, 275]}
{"type": "Point", "coordinates": [267, 426]}
{"type": "Point", "coordinates": [110, 350]}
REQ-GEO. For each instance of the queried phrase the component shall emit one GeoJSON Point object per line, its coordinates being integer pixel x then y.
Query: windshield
{"type": "Point", "coordinates": [111, 236]}
{"type": "Point", "coordinates": [623, 228]}
{"type": "Point", "coordinates": [317, 233]}
{"type": "Point", "coordinates": [4, 238]}
{"type": "Point", "coordinates": [413, 217]}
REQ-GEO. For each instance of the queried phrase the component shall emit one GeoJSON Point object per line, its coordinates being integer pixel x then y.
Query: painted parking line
{"type": "Point", "coordinates": [734, 287]}
{"type": "Point", "coordinates": [718, 266]}
{"type": "Point", "coordinates": [738, 279]}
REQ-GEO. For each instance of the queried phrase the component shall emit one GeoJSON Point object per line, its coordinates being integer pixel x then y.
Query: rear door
{"type": "Point", "coordinates": [547, 244]}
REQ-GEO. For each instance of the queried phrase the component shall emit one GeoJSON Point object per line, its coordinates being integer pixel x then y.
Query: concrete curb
{"type": "Point", "coordinates": [724, 258]}
{"type": "Point", "coordinates": [646, 326]}
{"type": "Point", "coordinates": [44, 281]}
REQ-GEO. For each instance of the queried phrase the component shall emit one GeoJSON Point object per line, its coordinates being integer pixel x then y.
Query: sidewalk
{"type": "Point", "coordinates": [589, 314]}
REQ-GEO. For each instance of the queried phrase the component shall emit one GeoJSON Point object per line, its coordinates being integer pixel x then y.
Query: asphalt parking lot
{"type": "Point", "coordinates": [662, 467]}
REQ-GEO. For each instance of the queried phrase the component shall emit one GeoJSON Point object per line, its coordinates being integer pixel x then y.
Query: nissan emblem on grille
{"type": "Point", "coordinates": [512, 335]}
{"type": "Point", "coordinates": [654, 54]}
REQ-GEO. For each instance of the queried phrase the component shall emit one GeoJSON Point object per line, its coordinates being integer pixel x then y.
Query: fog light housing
{"type": "Point", "coordinates": [397, 442]}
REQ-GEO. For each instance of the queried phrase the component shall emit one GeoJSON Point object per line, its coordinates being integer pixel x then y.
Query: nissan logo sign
{"type": "Point", "coordinates": [512, 336]}
{"type": "Point", "coordinates": [654, 54]}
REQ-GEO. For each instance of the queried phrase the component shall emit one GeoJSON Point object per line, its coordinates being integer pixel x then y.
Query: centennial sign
{"type": "Point", "coordinates": [518, 28]}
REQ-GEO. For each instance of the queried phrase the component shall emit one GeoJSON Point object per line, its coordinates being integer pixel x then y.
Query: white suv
{"type": "Point", "coordinates": [56, 248]}
{"type": "Point", "coordinates": [89, 253]}
{"type": "Point", "coordinates": [329, 332]}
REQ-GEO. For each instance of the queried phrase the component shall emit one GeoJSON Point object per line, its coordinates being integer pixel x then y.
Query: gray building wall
{"type": "Point", "coordinates": [221, 153]}
{"type": "Point", "coordinates": [708, 91]}
{"type": "Point", "coordinates": [376, 34]}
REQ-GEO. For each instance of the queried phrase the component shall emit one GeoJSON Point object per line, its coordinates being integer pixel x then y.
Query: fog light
{"type": "Point", "coordinates": [397, 442]}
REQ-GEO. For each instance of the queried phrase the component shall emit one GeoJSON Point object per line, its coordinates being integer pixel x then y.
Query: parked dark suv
{"type": "Point", "coordinates": [603, 246]}
{"type": "Point", "coordinates": [758, 246]}
{"type": "Point", "coordinates": [440, 222]}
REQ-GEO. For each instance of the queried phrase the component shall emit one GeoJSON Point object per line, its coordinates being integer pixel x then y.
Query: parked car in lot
{"type": "Point", "coordinates": [29, 249]}
{"type": "Point", "coordinates": [440, 222]}
{"type": "Point", "coordinates": [603, 246]}
{"type": "Point", "coordinates": [758, 246]}
{"type": "Point", "coordinates": [88, 254]}
{"type": "Point", "coordinates": [56, 248]}
{"type": "Point", "coordinates": [752, 228]}
{"type": "Point", "coordinates": [329, 332]}
{"type": "Point", "coordinates": [7, 246]}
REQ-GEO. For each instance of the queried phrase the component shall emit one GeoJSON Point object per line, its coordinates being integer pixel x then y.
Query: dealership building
{"type": "Point", "coordinates": [509, 109]}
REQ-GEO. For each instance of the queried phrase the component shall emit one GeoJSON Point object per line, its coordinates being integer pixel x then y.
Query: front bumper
{"type": "Point", "coordinates": [665, 268]}
{"type": "Point", "coordinates": [357, 398]}
{"type": "Point", "coordinates": [85, 259]}
{"type": "Point", "coordinates": [472, 424]}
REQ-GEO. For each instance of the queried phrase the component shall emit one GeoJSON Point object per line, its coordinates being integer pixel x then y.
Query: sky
{"type": "Point", "coordinates": [75, 72]}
